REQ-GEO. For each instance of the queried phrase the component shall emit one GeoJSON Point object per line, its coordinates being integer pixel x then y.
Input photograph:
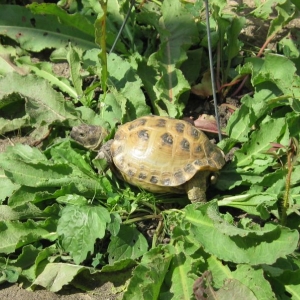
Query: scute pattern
{"type": "Point", "coordinates": [160, 154]}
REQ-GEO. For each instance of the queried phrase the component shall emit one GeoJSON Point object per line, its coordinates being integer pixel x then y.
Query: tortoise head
{"type": "Point", "coordinates": [89, 136]}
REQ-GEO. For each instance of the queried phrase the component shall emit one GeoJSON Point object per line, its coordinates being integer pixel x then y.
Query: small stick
{"type": "Point", "coordinates": [212, 70]}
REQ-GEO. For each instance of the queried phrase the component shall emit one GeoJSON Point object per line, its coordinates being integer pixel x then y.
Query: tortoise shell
{"type": "Point", "coordinates": [161, 154]}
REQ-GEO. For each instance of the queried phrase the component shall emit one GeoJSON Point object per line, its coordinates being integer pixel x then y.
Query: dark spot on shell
{"type": "Point", "coordinates": [166, 182]}
{"type": "Point", "coordinates": [198, 149]}
{"type": "Point", "coordinates": [118, 150]}
{"type": "Point", "coordinates": [179, 127]}
{"type": "Point", "coordinates": [130, 173]}
{"type": "Point", "coordinates": [142, 176]}
{"type": "Point", "coordinates": [120, 162]}
{"type": "Point", "coordinates": [185, 145]}
{"type": "Point", "coordinates": [161, 123]}
{"type": "Point", "coordinates": [189, 168]}
{"type": "Point", "coordinates": [179, 177]}
{"type": "Point", "coordinates": [153, 179]}
{"type": "Point", "coordinates": [195, 133]}
{"type": "Point", "coordinates": [198, 162]}
{"type": "Point", "coordinates": [137, 123]}
{"type": "Point", "coordinates": [143, 134]}
{"type": "Point", "coordinates": [167, 138]}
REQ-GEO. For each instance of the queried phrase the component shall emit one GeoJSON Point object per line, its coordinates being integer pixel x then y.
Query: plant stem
{"type": "Point", "coordinates": [285, 203]}
{"type": "Point", "coordinates": [103, 54]}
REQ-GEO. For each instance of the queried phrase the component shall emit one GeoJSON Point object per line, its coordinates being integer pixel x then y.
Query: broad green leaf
{"type": "Point", "coordinates": [76, 20]}
{"type": "Point", "coordinates": [265, 9]}
{"type": "Point", "coordinates": [56, 275]}
{"type": "Point", "coordinates": [7, 187]}
{"type": "Point", "coordinates": [167, 84]}
{"type": "Point", "coordinates": [13, 104]}
{"type": "Point", "coordinates": [219, 271]}
{"type": "Point", "coordinates": [25, 211]}
{"type": "Point", "coordinates": [232, 176]}
{"type": "Point", "coordinates": [14, 234]}
{"type": "Point", "coordinates": [27, 258]}
{"type": "Point", "coordinates": [43, 104]}
{"type": "Point", "coordinates": [149, 275]}
{"type": "Point", "coordinates": [115, 224]}
{"type": "Point", "coordinates": [9, 273]}
{"type": "Point", "coordinates": [126, 87]}
{"type": "Point", "coordinates": [270, 242]}
{"type": "Point", "coordinates": [174, 37]}
{"type": "Point", "coordinates": [286, 12]}
{"type": "Point", "coordinates": [79, 227]}
{"type": "Point", "coordinates": [74, 57]}
{"type": "Point", "coordinates": [44, 70]}
{"type": "Point", "coordinates": [296, 3]}
{"type": "Point", "coordinates": [239, 124]}
{"type": "Point", "coordinates": [233, 44]}
{"type": "Point", "coordinates": [119, 265]}
{"type": "Point", "coordinates": [128, 243]}
{"type": "Point", "coordinates": [271, 70]}
{"type": "Point", "coordinates": [255, 280]}
{"type": "Point", "coordinates": [252, 204]}
{"type": "Point", "coordinates": [27, 194]}
{"type": "Point", "coordinates": [284, 279]}
{"type": "Point", "coordinates": [178, 278]}
{"type": "Point", "coordinates": [6, 66]}
{"type": "Point", "coordinates": [236, 288]}
{"type": "Point", "coordinates": [64, 153]}
{"type": "Point", "coordinates": [72, 200]}
{"type": "Point", "coordinates": [39, 172]}
{"type": "Point", "coordinates": [290, 47]}
{"type": "Point", "coordinates": [260, 141]}
{"type": "Point", "coordinates": [35, 33]}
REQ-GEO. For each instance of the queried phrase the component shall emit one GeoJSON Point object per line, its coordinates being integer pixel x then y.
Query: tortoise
{"type": "Point", "coordinates": [158, 154]}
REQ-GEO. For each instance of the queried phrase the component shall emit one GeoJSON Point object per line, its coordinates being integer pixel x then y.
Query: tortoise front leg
{"type": "Point", "coordinates": [196, 187]}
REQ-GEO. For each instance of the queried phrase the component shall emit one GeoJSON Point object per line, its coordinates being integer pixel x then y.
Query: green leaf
{"type": "Point", "coordinates": [233, 44]}
{"type": "Point", "coordinates": [179, 280]}
{"type": "Point", "coordinates": [238, 245]}
{"type": "Point", "coordinates": [255, 204]}
{"type": "Point", "coordinates": [286, 12]}
{"type": "Point", "coordinates": [44, 70]}
{"type": "Point", "coordinates": [79, 227]}
{"type": "Point", "coordinates": [260, 142]}
{"type": "Point", "coordinates": [236, 288]}
{"type": "Point", "coordinates": [22, 212]}
{"type": "Point", "coordinates": [15, 234]}
{"type": "Point", "coordinates": [76, 20]}
{"type": "Point", "coordinates": [56, 275]}
{"type": "Point", "coordinates": [128, 243]}
{"type": "Point", "coordinates": [166, 83]}
{"type": "Point", "coordinates": [126, 88]}
{"type": "Point", "coordinates": [265, 9]}
{"type": "Point", "coordinates": [9, 273]}
{"type": "Point", "coordinates": [148, 276]}
{"type": "Point", "coordinates": [255, 280]}
{"type": "Point", "coordinates": [35, 33]}
{"type": "Point", "coordinates": [39, 172]}
{"type": "Point", "coordinates": [74, 57]}
{"type": "Point", "coordinates": [27, 194]}
{"type": "Point", "coordinates": [219, 271]}
{"type": "Point", "coordinates": [7, 187]}
{"type": "Point", "coordinates": [43, 104]}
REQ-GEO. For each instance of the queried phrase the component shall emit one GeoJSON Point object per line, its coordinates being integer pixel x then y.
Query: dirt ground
{"type": "Point", "coordinates": [253, 33]}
